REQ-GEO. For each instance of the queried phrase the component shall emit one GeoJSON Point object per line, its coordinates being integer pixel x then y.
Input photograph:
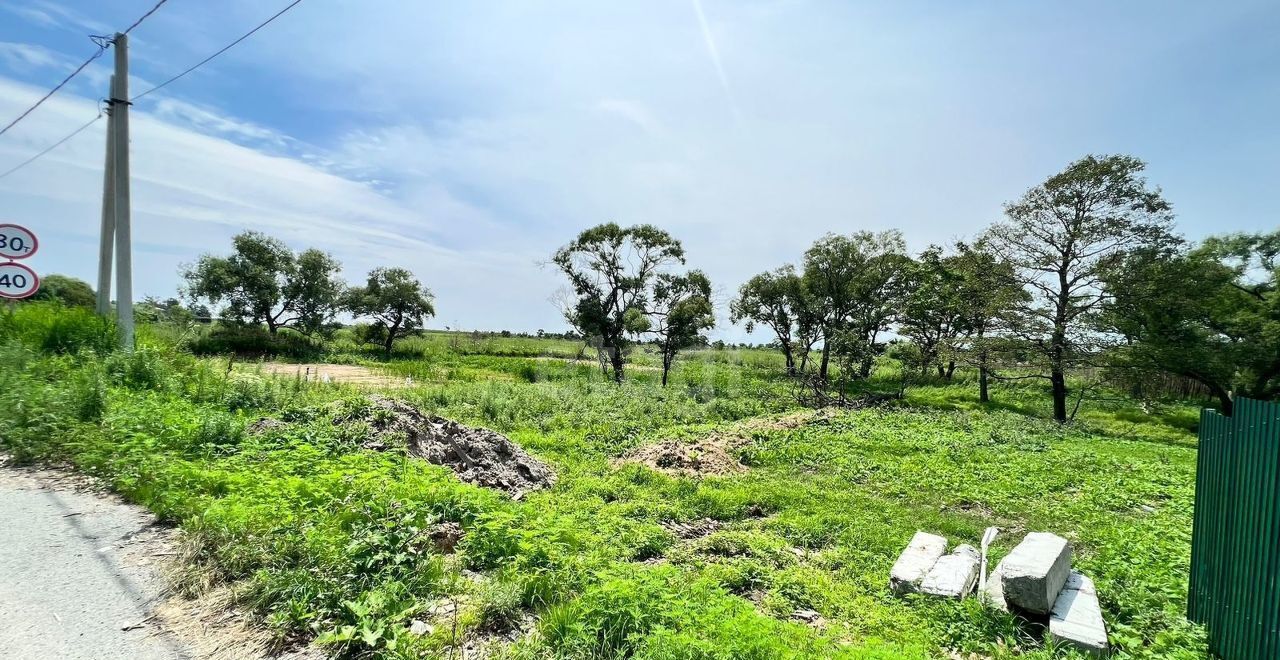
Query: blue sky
{"type": "Point", "coordinates": [467, 141]}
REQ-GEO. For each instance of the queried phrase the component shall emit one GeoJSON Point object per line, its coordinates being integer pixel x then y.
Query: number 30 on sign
{"type": "Point", "coordinates": [17, 281]}
{"type": "Point", "coordinates": [17, 242]}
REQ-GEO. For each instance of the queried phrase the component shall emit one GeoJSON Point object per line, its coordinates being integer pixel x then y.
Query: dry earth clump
{"type": "Point", "coordinates": [706, 457]}
{"type": "Point", "coordinates": [478, 456]}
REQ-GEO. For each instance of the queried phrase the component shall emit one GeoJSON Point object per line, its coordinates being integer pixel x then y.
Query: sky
{"type": "Point", "coordinates": [468, 141]}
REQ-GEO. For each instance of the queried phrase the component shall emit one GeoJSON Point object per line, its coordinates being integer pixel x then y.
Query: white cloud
{"type": "Point", "coordinates": [51, 14]}
{"type": "Point", "coordinates": [20, 56]}
{"type": "Point", "coordinates": [205, 120]}
{"type": "Point", "coordinates": [470, 140]}
{"type": "Point", "coordinates": [192, 191]}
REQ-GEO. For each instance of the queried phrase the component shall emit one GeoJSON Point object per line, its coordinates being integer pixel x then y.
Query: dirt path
{"type": "Point", "coordinates": [333, 373]}
{"type": "Point", "coordinates": [78, 573]}
{"type": "Point", "coordinates": [81, 577]}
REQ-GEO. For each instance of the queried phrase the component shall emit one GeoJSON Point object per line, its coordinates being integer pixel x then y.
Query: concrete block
{"type": "Point", "coordinates": [1076, 619]}
{"type": "Point", "coordinates": [1034, 572]}
{"type": "Point", "coordinates": [915, 562]}
{"type": "Point", "coordinates": [992, 594]}
{"type": "Point", "coordinates": [954, 575]}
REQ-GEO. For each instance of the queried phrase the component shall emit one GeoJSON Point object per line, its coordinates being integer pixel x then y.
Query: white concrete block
{"type": "Point", "coordinates": [954, 575]}
{"type": "Point", "coordinates": [1076, 619]}
{"type": "Point", "coordinates": [915, 562]}
{"type": "Point", "coordinates": [1034, 572]}
{"type": "Point", "coordinates": [992, 595]}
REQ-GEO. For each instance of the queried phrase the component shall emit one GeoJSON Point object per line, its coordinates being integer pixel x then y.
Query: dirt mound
{"type": "Point", "coordinates": [265, 425]}
{"type": "Point", "coordinates": [710, 456]}
{"type": "Point", "coordinates": [693, 529]}
{"type": "Point", "coordinates": [479, 456]}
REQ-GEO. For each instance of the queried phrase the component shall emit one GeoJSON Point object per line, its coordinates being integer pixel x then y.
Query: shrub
{"type": "Point", "coordinates": [52, 328]}
{"type": "Point", "coordinates": [250, 341]}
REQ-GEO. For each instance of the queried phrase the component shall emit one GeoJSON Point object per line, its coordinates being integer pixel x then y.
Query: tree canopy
{"type": "Point", "coordinates": [681, 310]}
{"type": "Point", "coordinates": [396, 301]}
{"type": "Point", "coordinates": [1210, 313]}
{"type": "Point", "coordinates": [265, 282]}
{"type": "Point", "coordinates": [778, 300]}
{"type": "Point", "coordinates": [1061, 236]}
{"type": "Point", "coordinates": [855, 282]}
{"type": "Point", "coordinates": [68, 290]}
{"type": "Point", "coordinates": [611, 270]}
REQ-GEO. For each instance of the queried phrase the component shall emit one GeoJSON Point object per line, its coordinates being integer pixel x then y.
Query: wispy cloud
{"type": "Point", "coordinates": [714, 52]}
{"type": "Point", "coordinates": [49, 14]}
{"type": "Point", "coordinates": [634, 112]}
{"type": "Point", "coordinates": [24, 57]}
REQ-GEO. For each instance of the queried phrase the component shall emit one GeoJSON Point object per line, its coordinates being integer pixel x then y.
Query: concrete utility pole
{"type": "Point", "coordinates": [120, 176]}
{"type": "Point", "coordinates": [107, 237]}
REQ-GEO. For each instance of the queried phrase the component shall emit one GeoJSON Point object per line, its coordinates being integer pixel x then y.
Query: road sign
{"type": "Point", "coordinates": [17, 242]}
{"type": "Point", "coordinates": [17, 281]}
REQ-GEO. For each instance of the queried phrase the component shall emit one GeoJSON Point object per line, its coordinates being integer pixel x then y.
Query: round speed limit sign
{"type": "Point", "coordinates": [17, 242]}
{"type": "Point", "coordinates": [17, 281]}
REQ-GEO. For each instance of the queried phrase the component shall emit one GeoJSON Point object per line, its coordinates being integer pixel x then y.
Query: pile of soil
{"type": "Point", "coordinates": [706, 457]}
{"type": "Point", "coordinates": [693, 529]}
{"type": "Point", "coordinates": [479, 456]}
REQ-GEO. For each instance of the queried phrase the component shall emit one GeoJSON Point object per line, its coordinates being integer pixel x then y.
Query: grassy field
{"type": "Point", "coordinates": [787, 557]}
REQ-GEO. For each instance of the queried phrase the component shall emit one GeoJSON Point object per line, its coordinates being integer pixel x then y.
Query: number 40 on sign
{"type": "Point", "coordinates": [17, 281]}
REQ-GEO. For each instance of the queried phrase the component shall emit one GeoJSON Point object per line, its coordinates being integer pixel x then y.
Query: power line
{"type": "Point", "coordinates": [221, 51]}
{"type": "Point", "coordinates": [102, 48]}
{"type": "Point", "coordinates": [144, 16]}
{"type": "Point", "coordinates": [51, 147]}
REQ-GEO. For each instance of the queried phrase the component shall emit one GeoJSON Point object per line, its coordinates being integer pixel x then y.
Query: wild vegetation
{"type": "Point", "coordinates": [709, 501]}
{"type": "Point", "coordinates": [785, 556]}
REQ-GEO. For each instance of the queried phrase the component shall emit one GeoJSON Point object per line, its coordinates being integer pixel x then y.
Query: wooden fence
{"type": "Point", "coordinates": [1235, 544]}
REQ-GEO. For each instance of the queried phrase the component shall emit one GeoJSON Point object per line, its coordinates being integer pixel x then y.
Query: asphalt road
{"type": "Point", "coordinates": [78, 573]}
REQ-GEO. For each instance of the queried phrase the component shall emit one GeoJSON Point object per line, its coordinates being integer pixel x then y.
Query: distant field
{"type": "Point", "coordinates": [619, 559]}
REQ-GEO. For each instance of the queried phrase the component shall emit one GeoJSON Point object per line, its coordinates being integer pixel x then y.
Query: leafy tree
{"type": "Point", "coordinates": [264, 282]}
{"type": "Point", "coordinates": [987, 292]}
{"type": "Point", "coordinates": [395, 300]}
{"type": "Point", "coordinates": [681, 310]}
{"type": "Point", "coordinates": [156, 310]}
{"type": "Point", "coordinates": [778, 300]}
{"type": "Point", "coordinates": [316, 291]}
{"type": "Point", "coordinates": [611, 270]}
{"type": "Point", "coordinates": [1061, 236]}
{"type": "Point", "coordinates": [931, 314]}
{"type": "Point", "coordinates": [68, 290]}
{"type": "Point", "coordinates": [855, 282]}
{"type": "Point", "coordinates": [1211, 314]}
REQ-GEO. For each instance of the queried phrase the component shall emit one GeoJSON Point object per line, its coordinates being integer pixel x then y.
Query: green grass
{"type": "Point", "coordinates": [331, 541]}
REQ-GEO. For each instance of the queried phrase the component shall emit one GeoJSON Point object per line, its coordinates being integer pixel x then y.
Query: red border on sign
{"type": "Point", "coordinates": [35, 242]}
{"type": "Point", "coordinates": [34, 277]}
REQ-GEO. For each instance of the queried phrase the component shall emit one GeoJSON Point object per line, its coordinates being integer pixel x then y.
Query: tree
{"type": "Point", "coordinates": [1061, 236]}
{"type": "Point", "coordinates": [611, 270]}
{"type": "Point", "coordinates": [170, 310]}
{"type": "Point", "coordinates": [987, 291]}
{"type": "Point", "coordinates": [264, 282]}
{"type": "Point", "coordinates": [931, 314]}
{"type": "Point", "coordinates": [316, 291]}
{"type": "Point", "coordinates": [681, 310]}
{"type": "Point", "coordinates": [1211, 314]}
{"type": "Point", "coordinates": [68, 290]}
{"type": "Point", "coordinates": [855, 282]}
{"type": "Point", "coordinates": [778, 300]}
{"type": "Point", "coordinates": [395, 300]}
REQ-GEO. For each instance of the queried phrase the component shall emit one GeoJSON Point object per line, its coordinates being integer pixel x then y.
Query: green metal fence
{"type": "Point", "coordinates": [1235, 543]}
